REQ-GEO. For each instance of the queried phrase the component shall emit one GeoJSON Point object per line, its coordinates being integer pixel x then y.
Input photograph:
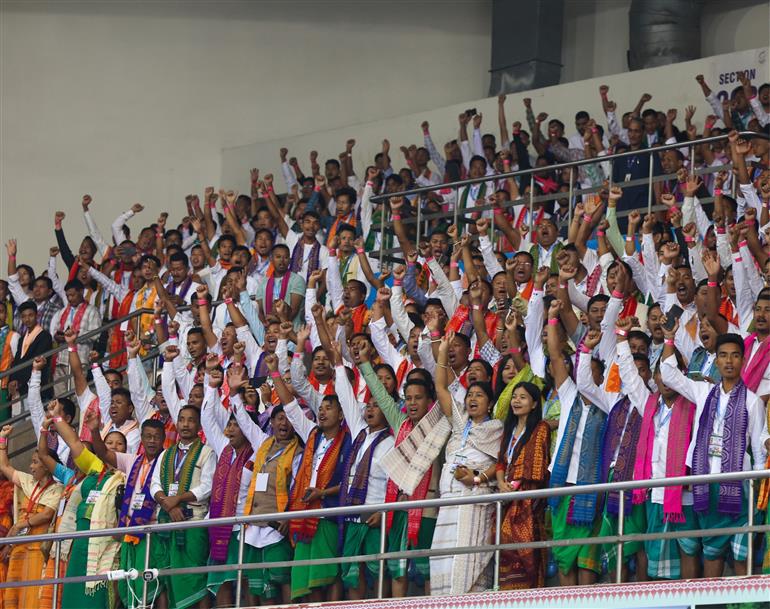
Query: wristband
{"type": "Point", "coordinates": [359, 250]}
{"type": "Point", "coordinates": [507, 162]}
{"type": "Point", "coordinates": [395, 217]}
{"type": "Point", "coordinates": [157, 321]}
{"type": "Point", "coordinates": [43, 430]}
{"type": "Point", "coordinates": [749, 223]}
{"type": "Point", "coordinates": [429, 259]}
{"type": "Point", "coordinates": [270, 189]}
{"type": "Point", "coordinates": [689, 239]}
{"type": "Point", "coordinates": [202, 302]}
{"type": "Point", "coordinates": [563, 286]}
{"type": "Point", "coordinates": [600, 233]}
{"type": "Point", "coordinates": [71, 349]}
{"type": "Point", "coordinates": [476, 307]}
{"type": "Point", "coordinates": [212, 205]}
{"type": "Point", "coordinates": [13, 257]}
{"type": "Point", "coordinates": [674, 209]}
{"type": "Point", "coordinates": [594, 130]}
{"type": "Point", "coordinates": [586, 217]}
{"type": "Point", "coordinates": [616, 294]}
{"type": "Point", "coordinates": [94, 366]}
{"type": "Point", "coordinates": [317, 188]}
{"type": "Point", "coordinates": [228, 301]}
{"type": "Point", "coordinates": [668, 341]}
{"type": "Point", "coordinates": [454, 264]}
{"type": "Point", "coordinates": [275, 374]}
{"type": "Point", "coordinates": [721, 230]}
{"type": "Point", "coordinates": [397, 282]}
{"type": "Point", "coordinates": [717, 192]}
{"type": "Point", "coordinates": [171, 336]}
{"type": "Point", "coordinates": [553, 322]}
{"type": "Point", "coordinates": [476, 480]}
{"type": "Point", "coordinates": [370, 184]}
{"type": "Point", "coordinates": [712, 284]}
{"type": "Point", "coordinates": [333, 252]}
{"type": "Point", "coordinates": [743, 244]}
{"type": "Point", "coordinates": [435, 333]}
{"type": "Point", "coordinates": [58, 419]}
{"type": "Point", "coordinates": [159, 235]}
{"type": "Point", "coordinates": [584, 349]}
{"type": "Point", "coordinates": [515, 350]}
{"type": "Point", "coordinates": [620, 332]}
{"type": "Point", "coordinates": [629, 238]}
{"type": "Point", "coordinates": [3, 441]}
{"type": "Point", "coordinates": [738, 259]}
{"type": "Point", "coordinates": [297, 355]}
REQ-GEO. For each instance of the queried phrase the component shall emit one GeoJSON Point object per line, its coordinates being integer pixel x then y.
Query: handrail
{"type": "Point", "coordinates": [565, 165]}
{"type": "Point", "coordinates": [352, 510]}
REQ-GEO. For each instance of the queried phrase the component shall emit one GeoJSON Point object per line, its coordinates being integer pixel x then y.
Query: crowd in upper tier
{"type": "Point", "coordinates": [533, 344]}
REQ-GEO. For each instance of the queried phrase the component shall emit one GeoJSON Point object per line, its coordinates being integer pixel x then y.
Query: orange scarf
{"type": "Point", "coordinates": [29, 338]}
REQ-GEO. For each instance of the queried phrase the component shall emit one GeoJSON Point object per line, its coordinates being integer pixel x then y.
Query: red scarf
{"type": "Point", "coordinates": [316, 384]}
{"type": "Point", "coordinates": [117, 340]}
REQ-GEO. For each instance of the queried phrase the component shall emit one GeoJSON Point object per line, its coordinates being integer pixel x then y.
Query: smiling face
{"type": "Point", "coordinates": [196, 396]}
{"type": "Point", "coordinates": [116, 442]}
{"type": "Point", "coordinates": [227, 340]}
{"type": "Point", "coordinates": [37, 469]}
{"type": "Point", "coordinates": [521, 402]}
{"type": "Point", "coordinates": [509, 371]}
{"type": "Point", "coordinates": [272, 334]}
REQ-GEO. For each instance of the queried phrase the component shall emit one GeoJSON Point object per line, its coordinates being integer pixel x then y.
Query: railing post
{"type": "Point", "coordinates": [498, 523]}
{"type": "Point", "coordinates": [382, 231]}
{"type": "Point", "coordinates": [457, 211]}
{"type": "Point", "coordinates": [649, 185]}
{"type": "Point", "coordinates": [692, 160]}
{"type": "Point", "coordinates": [146, 566]}
{"type": "Point", "coordinates": [241, 539]}
{"type": "Point", "coordinates": [569, 203]}
{"type": "Point", "coordinates": [750, 550]}
{"type": "Point", "coordinates": [621, 527]}
{"type": "Point", "coordinates": [56, 574]}
{"type": "Point", "coordinates": [381, 574]}
{"type": "Point", "coordinates": [419, 217]}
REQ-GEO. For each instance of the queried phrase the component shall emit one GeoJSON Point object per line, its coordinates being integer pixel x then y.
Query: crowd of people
{"type": "Point", "coordinates": [530, 345]}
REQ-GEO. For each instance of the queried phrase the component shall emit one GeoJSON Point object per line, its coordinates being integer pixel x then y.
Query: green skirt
{"type": "Point", "coordinates": [266, 583]}
{"type": "Point", "coordinates": [585, 556]}
{"type": "Point", "coordinates": [185, 590]}
{"type": "Point", "coordinates": [634, 523]}
{"type": "Point", "coordinates": [323, 545]}
{"type": "Point", "coordinates": [360, 539]}
{"type": "Point", "coordinates": [663, 559]}
{"type": "Point", "coordinates": [717, 547]}
{"type": "Point", "coordinates": [417, 568]}
{"type": "Point", "coordinates": [74, 596]}
{"type": "Point", "coordinates": [132, 557]}
{"type": "Point", "coordinates": [217, 578]}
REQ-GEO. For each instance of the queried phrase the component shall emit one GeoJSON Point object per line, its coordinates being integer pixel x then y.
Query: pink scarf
{"type": "Point", "coordinates": [270, 290]}
{"type": "Point", "coordinates": [754, 369]}
{"type": "Point", "coordinates": [679, 432]}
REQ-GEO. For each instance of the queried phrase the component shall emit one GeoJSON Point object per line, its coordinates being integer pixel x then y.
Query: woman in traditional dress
{"type": "Point", "coordinates": [471, 459]}
{"type": "Point", "coordinates": [523, 465]}
{"type": "Point", "coordinates": [36, 496]}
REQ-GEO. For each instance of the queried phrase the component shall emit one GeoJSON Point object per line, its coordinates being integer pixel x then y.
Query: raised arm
{"type": "Point", "coordinates": [558, 366]}
{"type": "Point", "coordinates": [442, 375]}
{"type": "Point", "coordinates": [92, 422]}
{"type": "Point", "coordinates": [211, 401]}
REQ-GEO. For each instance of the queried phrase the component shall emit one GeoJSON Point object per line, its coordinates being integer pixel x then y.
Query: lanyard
{"type": "Point", "coordinates": [321, 452]}
{"type": "Point", "coordinates": [467, 432]}
{"type": "Point", "coordinates": [512, 446]}
{"type": "Point", "coordinates": [274, 457]}
{"type": "Point", "coordinates": [143, 473]}
{"type": "Point", "coordinates": [179, 464]}
{"type": "Point", "coordinates": [663, 416]}
{"type": "Point", "coordinates": [36, 493]}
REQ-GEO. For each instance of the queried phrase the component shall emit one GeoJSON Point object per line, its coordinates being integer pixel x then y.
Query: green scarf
{"type": "Point", "coordinates": [167, 476]}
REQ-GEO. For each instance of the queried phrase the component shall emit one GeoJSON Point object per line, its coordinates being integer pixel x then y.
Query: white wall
{"type": "Point", "coordinates": [134, 101]}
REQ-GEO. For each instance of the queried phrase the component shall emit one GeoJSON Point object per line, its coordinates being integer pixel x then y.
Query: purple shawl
{"type": "Point", "coordinates": [733, 450]}
{"type": "Point", "coordinates": [144, 514]}
{"type": "Point", "coordinates": [622, 434]}
{"type": "Point", "coordinates": [224, 497]}
{"type": "Point", "coordinates": [298, 254]}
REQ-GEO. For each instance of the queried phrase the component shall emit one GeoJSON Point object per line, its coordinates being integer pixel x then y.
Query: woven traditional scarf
{"type": "Point", "coordinates": [502, 407]}
{"type": "Point", "coordinates": [6, 355]}
{"type": "Point", "coordinates": [298, 255]}
{"type": "Point", "coordinates": [93, 407]}
{"type": "Point", "coordinates": [270, 291]}
{"type": "Point", "coordinates": [592, 281]}
{"type": "Point", "coordinates": [76, 321]}
{"type": "Point", "coordinates": [531, 464]}
{"type": "Point", "coordinates": [117, 338]}
{"type": "Point", "coordinates": [350, 219]}
{"type": "Point", "coordinates": [355, 493]}
{"type": "Point", "coordinates": [754, 368]}
{"type": "Point", "coordinates": [534, 250]}
{"type": "Point", "coordinates": [584, 505]}
{"type": "Point", "coordinates": [172, 436]}
{"type": "Point", "coordinates": [316, 384]}
{"type": "Point", "coordinates": [103, 551]}
{"type": "Point", "coordinates": [282, 473]}
{"type": "Point", "coordinates": [145, 299]}
{"type": "Point", "coordinates": [168, 477]}
{"type": "Point", "coordinates": [304, 529]}
{"type": "Point", "coordinates": [224, 496]}
{"type": "Point", "coordinates": [679, 432]}
{"type": "Point", "coordinates": [142, 515]}
{"type": "Point", "coordinates": [466, 193]}
{"type": "Point", "coordinates": [699, 357]}
{"type": "Point", "coordinates": [621, 433]}
{"type": "Point", "coordinates": [736, 421]}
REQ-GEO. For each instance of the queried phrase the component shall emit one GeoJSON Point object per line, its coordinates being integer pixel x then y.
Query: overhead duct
{"type": "Point", "coordinates": [526, 45]}
{"type": "Point", "coordinates": [663, 32]}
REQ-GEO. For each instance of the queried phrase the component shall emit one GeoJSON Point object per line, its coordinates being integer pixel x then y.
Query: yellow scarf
{"type": "Point", "coordinates": [282, 475]}
{"type": "Point", "coordinates": [146, 300]}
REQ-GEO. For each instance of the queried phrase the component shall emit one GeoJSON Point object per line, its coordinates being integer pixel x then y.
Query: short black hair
{"type": "Point", "coordinates": [229, 238]}
{"type": "Point", "coordinates": [28, 305]}
{"type": "Point", "coordinates": [68, 406]}
{"type": "Point", "coordinates": [179, 257]}
{"type": "Point", "coordinates": [281, 246]}
{"type": "Point", "coordinates": [149, 258]}
{"type": "Point", "coordinates": [124, 392]}
{"type": "Point", "coordinates": [46, 280]}
{"type": "Point", "coordinates": [347, 191]}
{"type": "Point", "coordinates": [153, 424]}
{"type": "Point", "coordinates": [74, 284]}
{"type": "Point", "coordinates": [597, 298]}
{"type": "Point", "coordinates": [728, 339]}
{"type": "Point", "coordinates": [309, 213]}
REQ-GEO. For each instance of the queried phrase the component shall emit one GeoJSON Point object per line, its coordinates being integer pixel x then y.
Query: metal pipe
{"type": "Point", "coordinates": [498, 524]}
{"type": "Point", "coordinates": [56, 558]}
{"type": "Point", "coordinates": [419, 213]}
{"type": "Point", "coordinates": [578, 163]}
{"type": "Point", "coordinates": [148, 540]}
{"type": "Point", "coordinates": [619, 549]}
{"type": "Point", "coordinates": [569, 205]}
{"type": "Point", "coordinates": [456, 210]}
{"type": "Point", "coordinates": [238, 584]}
{"type": "Point", "coordinates": [649, 188]}
{"type": "Point", "coordinates": [381, 574]}
{"type": "Point", "coordinates": [531, 219]}
{"type": "Point", "coordinates": [692, 161]}
{"type": "Point", "coordinates": [750, 549]}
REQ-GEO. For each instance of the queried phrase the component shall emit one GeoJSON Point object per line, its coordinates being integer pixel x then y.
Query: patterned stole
{"type": "Point", "coordinates": [584, 505]}
{"type": "Point", "coordinates": [283, 472]}
{"type": "Point", "coordinates": [6, 355]}
{"type": "Point", "coordinates": [168, 476]}
{"type": "Point", "coordinates": [355, 492]}
{"type": "Point", "coordinates": [270, 291]}
{"type": "Point", "coordinates": [629, 425]}
{"type": "Point", "coordinates": [142, 515]}
{"type": "Point", "coordinates": [736, 421]}
{"type": "Point", "coordinates": [298, 258]}
{"type": "Point", "coordinates": [224, 496]}
{"type": "Point", "coordinates": [592, 281]}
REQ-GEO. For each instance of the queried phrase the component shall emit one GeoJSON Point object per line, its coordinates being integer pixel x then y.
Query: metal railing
{"type": "Point", "coordinates": [459, 216]}
{"type": "Point", "coordinates": [498, 499]}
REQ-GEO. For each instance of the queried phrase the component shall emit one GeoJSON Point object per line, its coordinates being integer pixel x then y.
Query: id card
{"type": "Point", "coordinates": [260, 485]}
{"type": "Point", "coordinates": [62, 505]}
{"type": "Point", "coordinates": [173, 489]}
{"type": "Point", "coordinates": [93, 496]}
{"type": "Point", "coordinates": [137, 501]}
{"type": "Point", "coordinates": [715, 445]}
{"type": "Point", "coordinates": [460, 459]}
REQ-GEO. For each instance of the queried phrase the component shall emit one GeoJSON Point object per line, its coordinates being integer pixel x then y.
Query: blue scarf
{"type": "Point", "coordinates": [697, 360]}
{"type": "Point", "coordinates": [584, 506]}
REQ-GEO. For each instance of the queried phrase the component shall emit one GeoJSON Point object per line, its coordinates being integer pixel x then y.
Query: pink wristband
{"type": "Point", "coordinates": [317, 189]}
{"type": "Point", "coordinates": [738, 259]}
{"type": "Point", "coordinates": [297, 355]}
{"type": "Point", "coordinates": [476, 307]}
{"type": "Point", "coordinates": [359, 250]}
{"type": "Point", "coordinates": [721, 230]}
{"type": "Point", "coordinates": [275, 374]}
{"type": "Point", "coordinates": [429, 259]}
{"type": "Point", "coordinates": [717, 192]}
{"type": "Point", "coordinates": [3, 441]}
{"type": "Point", "coordinates": [674, 209]}
{"type": "Point", "coordinates": [94, 366]}
{"type": "Point", "coordinates": [586, 217]}
{"type": "Point", "coordinates": [600, 233]}
{"type": "Point", "coordinates": [712, 284]}
{"type": "Point", "coordinates": [584, 349]}
{"type": "Point", "coordinates": [333, 252]}
{"type": "Point", "coordinates": [435, 334]}
{"type": "Point", "coordinates": [616, 294]}
{"type": "Point", "coordinates": [454, 264]}
{"type": "Point", "coordinates": [228, 301]}
{"type": "Point", "coordinates": [563, 286]}
{"type": "Point", "coordinates": [395, 217]}
{"type": "Point", "coordinates": [630, 238]}
{"type": "Point", "coordinates": [514, 350]}
{"type": "Point", "coordinates": [553, 322]}
{"type": "Point", "coordinates": [397, 282]}
{"type": "Point", "coordinates": [689, 240]}
{"type": "Point", "coordinates": [71, 349]}
{"type": "Point", "coordinates": [749, 223]}
{"type": "Point", "coordinates": [620, 332]}
{"type": "Point", "coordinates": [669, 342]}
{"type": "Point", "coordinates": [743, 244]}
{"type": "Point", "coordinates": [594, 130]}
{"type": "Point", "coordinates": [202, 302]}
{"type": "Point", "coordinates": [370, 184]}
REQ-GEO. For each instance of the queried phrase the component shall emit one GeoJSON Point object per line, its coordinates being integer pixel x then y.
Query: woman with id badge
{"type": "Point", "coordinates": [36, 497]}
{"type": "Point", "coordinates": [471, 459]}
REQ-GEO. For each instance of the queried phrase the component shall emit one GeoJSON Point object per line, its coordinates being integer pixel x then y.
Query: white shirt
{"type": "Point", "coordinates": [697, 392]}
{"type": "Point", "coordinates": [202, 492]}
{"type": "Point", "coordinates": [567, 394]}
{"type": "Point", "coordinates": [293, 238]}
{"type": "Point", "coordinates": [662, 423]}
